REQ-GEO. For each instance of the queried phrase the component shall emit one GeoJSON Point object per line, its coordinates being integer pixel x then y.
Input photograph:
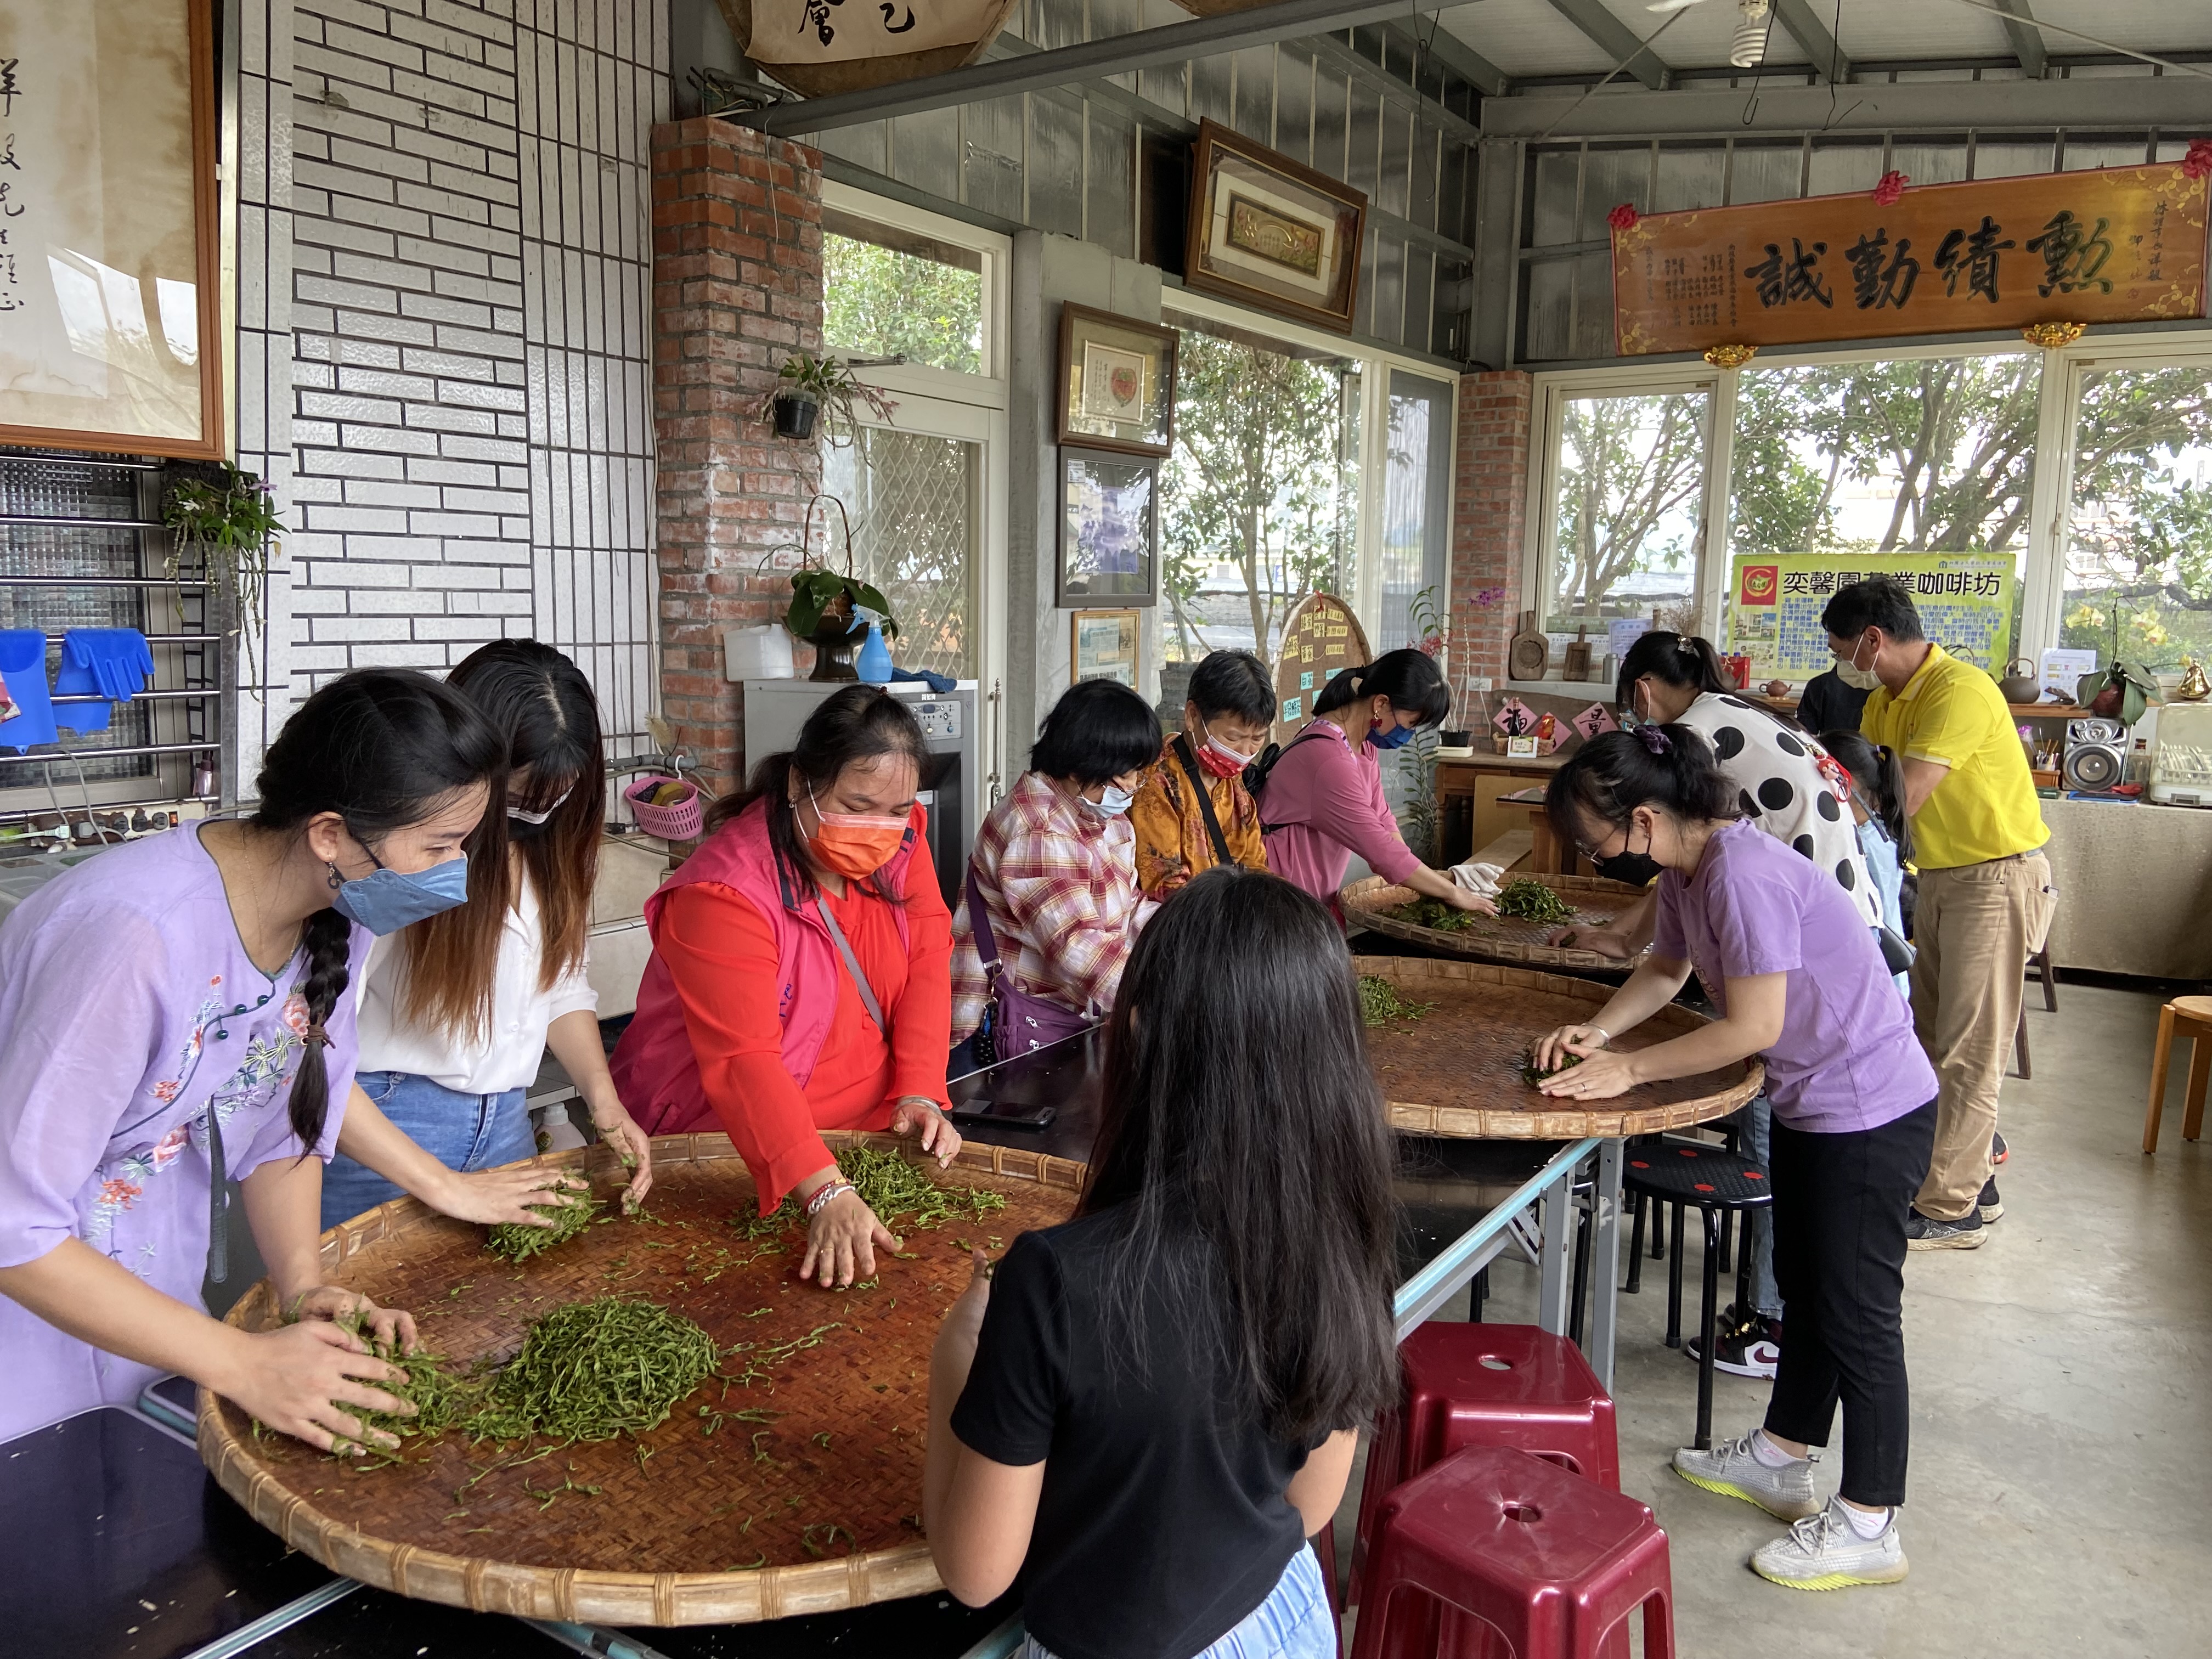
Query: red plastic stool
{"type": "Point", "coordinates": [1487, 1385]}
{"type": "Point", "coordinates": [1516, 1549]}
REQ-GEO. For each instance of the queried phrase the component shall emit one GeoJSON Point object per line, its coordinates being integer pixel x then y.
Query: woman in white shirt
{"type": "Point", "coordinates": [457, 1011]}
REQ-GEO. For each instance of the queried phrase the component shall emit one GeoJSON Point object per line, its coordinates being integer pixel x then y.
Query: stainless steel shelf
{"type": "Point", "coordinates": [80, 524]}
{"type": "Point", "coordinates": [74, 697]}
{"type": "Point", "coordinates": [8, 758]}
{"type": "Point", "coordinates": [101, 581]}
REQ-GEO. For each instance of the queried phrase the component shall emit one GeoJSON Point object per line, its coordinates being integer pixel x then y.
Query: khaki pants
{"type": "Point", "coordinates": [1975, 928]}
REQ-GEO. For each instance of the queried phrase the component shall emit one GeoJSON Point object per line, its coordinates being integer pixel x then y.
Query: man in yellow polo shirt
{"type": "Point", "coordinates": [1985, 892]}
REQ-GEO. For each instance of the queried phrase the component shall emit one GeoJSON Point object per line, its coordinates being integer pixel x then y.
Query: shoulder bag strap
{"type": "Point", "coordinates": [1266, 828]}
{"type": "Point", "coordinates": [853, 966]}
{"type": "Point", "coordinates": [1182, 747]}
{"type": "Point", "coordinates": [979, 927]}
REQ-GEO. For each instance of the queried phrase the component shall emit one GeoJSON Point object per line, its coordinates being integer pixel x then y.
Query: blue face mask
{"type": "Point", "coordinates": [1112, 804]}
{"type": "Point", "coordinates": [384, 900]}
{"type": "Point", "coordinates": [1396, 737]}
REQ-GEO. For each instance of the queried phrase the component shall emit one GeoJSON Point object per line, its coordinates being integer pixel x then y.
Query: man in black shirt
{"type": "Point", "coordinates": [1829, 705]}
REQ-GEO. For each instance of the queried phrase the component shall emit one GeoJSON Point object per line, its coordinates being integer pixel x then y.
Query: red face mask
{"type": "Point", "coordinates": [854, 844]}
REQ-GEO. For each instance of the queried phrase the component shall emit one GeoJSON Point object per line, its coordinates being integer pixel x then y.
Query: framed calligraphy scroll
{"type": "Point", "coordinates": [1272, 233]}
{"type": "Point", "coordinates": [819, 47]}
{"type": "Point", "coordinates": [110, 320]}
{"type": "Point", "coordinates": [2116, 245]}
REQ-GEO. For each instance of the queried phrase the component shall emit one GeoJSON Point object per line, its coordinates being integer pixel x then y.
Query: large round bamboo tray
{"type": "Point", "coordinates": [685, 1510]}
{"type": "Point", "coordinates": [1455, 1071]}
{"type": "Point", "coordinates": [1369, 901]}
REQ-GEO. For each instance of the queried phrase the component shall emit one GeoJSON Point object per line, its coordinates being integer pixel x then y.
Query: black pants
{"type": "Point", "coordinates": [1839, 1207]}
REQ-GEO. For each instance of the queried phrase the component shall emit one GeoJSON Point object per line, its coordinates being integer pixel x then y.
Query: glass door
{"type": "Point", "coordinates": [1416, 505]}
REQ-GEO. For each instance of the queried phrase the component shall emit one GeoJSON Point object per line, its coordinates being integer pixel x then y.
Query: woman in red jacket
{"type": "Point", "coordinates": [800, 977]}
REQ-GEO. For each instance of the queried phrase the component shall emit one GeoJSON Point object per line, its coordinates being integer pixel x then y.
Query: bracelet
{"type": "Point", "coordinates": [1603, 1033]}
{"type": "Point", "coordinates": [821, 1200]}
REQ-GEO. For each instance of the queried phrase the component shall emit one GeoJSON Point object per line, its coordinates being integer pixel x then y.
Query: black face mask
{"type": "Point", "coordinates": [523, 829]}
{"type": "Point", "coordinates": [1637, 869]}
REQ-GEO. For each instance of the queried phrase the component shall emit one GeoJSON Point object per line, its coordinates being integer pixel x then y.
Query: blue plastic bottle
{"type": "Point", "coordinates": [874, 663]}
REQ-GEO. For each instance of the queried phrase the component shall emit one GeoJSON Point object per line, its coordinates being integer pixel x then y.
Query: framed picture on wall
{"type": "Point", "coordinates": [1109, 529]}
{"type": "Point", "coordinates": [111, 334]}
{"type": "Point", "coordinates": [1105, 647]}
{"type": "Point", "coordinates": [1272, 233]}
{"type": "Point", "coordinates": [1117, 379]}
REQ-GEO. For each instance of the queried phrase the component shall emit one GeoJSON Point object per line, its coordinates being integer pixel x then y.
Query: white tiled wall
{"type": "Point", "coordinates": [446, 362]}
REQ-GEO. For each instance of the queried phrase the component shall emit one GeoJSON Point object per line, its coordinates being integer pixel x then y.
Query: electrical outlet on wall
{"type": "Point", "coordinates": [1481, 683]}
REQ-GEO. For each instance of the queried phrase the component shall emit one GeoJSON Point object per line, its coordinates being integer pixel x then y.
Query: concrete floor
{"type": "Point", "coordinates": [2062, 1468]}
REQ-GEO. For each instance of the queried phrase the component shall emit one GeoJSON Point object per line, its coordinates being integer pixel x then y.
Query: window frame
{"type": "Point", "coordinates": [2058, 412]}
{"type": "Point", "coordinates": [987, 387]}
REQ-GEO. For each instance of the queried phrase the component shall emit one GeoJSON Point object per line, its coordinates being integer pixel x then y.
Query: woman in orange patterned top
{"type": "Point", "coordinates": [1225, 725]}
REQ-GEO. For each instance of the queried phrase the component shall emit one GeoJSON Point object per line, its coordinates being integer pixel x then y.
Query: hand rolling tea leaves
{"type": "Point", "coordinates": [1532, 1074]}
{"type": "Point", "coordinates": [1435, 913]}
{"type": "Point", "coordinates": [896, 1188]}
{"type": "Point", "coordinates": [518, 1243]}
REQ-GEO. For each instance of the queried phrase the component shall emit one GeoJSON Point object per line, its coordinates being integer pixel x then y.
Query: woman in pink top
{"type": "Point", "coordinates": [1323, 798]}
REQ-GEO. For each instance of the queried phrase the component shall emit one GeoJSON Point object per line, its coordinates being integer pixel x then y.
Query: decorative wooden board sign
{"type": "Point", "coordinates": [2109, 246]}
{"type": "Point", "coordinates": [820, 47]}
{"type": "Point", "coordinates": [1321, 639]}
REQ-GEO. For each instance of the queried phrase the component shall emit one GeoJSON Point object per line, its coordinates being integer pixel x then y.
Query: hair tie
{"type": "Point", "coordinates": [1654, 739]}
{"type": "Point", "coordinates": [316, 1035]}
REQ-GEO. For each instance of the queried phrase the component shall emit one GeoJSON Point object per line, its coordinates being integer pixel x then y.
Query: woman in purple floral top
{"type": "Point", "coordinates": [175, 1009]}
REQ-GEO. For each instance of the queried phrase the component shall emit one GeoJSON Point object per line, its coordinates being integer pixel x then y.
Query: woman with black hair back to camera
{"type": "Point", "coordinates": [175, 1013]}
{"type": "Point", "coordinates": [458, 1011]}
{"type": "Point", "coordinates": [1052, 906]}
{"type": "Point", "coordinates": [1323, 801]}
{"type": "Point", "coordinates": [797, 981]}
{"type": "Point", "coordinates": [1194, 811]}
{"type": "Point", "coordinates": [1876, 777]}
{"type": "Point", "coordinates": [1146, 1412]}
{"type": "Point", "coordinates": [1795, 978]}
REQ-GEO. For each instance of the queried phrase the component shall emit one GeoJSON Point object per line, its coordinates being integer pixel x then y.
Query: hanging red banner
{"type": "Point", "coordinates": [2116, 245]}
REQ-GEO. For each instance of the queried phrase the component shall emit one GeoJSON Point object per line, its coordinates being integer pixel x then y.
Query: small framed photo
{"type": "Point", "coordinates": [1117, 379]}
{"type": "Point", "coordinates": [1105, 647]}
{"type": "Point", "coordinates": [1109, 529]}
{"type": "Point", "coordinates": [1271, 232]}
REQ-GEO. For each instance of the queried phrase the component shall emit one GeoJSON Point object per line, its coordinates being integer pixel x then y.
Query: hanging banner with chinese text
{"type": "Point", "coordinates": [821, 47]}
{"type": "Point", "coordinates": [2113, 244]}
{"type": "Point", "coordinates": [1775, 601]}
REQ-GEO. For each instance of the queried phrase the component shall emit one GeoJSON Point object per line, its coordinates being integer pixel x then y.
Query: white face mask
{"type": "Point", "coordinates": [1111, 805]}
{"type": "Point", "coordinates": [1226, 753]}
{"type": "Point", "coordinates": [1849, 671]}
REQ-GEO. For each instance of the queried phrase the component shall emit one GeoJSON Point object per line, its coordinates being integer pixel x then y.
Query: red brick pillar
{"type": "Point", "coordinates": [737, 287]}
{"type": "Point", "coordinates": [1489, 520]}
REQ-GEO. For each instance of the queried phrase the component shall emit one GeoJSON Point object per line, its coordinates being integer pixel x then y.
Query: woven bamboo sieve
{"type": "Point", "coordinates": [1455, 1071]}
{"type": "Point", "coordinates": [682, 1512]}
{"type": "Point", "coordinates": [1369, 901]}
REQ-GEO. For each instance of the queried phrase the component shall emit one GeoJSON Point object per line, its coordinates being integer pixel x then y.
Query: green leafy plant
{"type": "Point", "coordinates": [817, 592]}
{"type": "Point", "coordinates": [831, 382]}
{"type": "Point", "coordinates": [229, 518]}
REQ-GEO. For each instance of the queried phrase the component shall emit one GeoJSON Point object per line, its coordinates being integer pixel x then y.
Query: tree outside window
{"type": "Point", "coordinates": [1260, 495]}
{"type": "Point", "coordinates": [1631, 478]}
{"type": "Point", "coordinates": [881, 301]}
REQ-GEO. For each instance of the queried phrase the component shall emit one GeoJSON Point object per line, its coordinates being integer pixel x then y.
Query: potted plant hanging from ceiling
{"type": "Point", "coordinates": [809, 387]}
{"type": "Point", "coordinates": [831, 612]}
{"type": "Point", "coordinates": [228, 520]}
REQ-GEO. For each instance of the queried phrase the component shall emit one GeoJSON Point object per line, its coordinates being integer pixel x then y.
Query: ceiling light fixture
{"type": "Point", "coordinates": [1748, 47]}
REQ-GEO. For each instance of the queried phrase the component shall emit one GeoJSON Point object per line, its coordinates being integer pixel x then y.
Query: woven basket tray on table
{"type": "Point", "coordinates": [1455, 1071]}
{"type": "Point", "coordinates": [684, 1513]}
{"type": "Point", "coordinates": [1369, 901]}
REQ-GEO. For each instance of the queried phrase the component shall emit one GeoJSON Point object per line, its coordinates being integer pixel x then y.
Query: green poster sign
{"type": "Point", "coordinates": [1775, 602]}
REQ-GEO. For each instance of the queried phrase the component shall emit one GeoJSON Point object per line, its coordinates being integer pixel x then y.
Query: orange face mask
{"type": "Point", "coordinates": [854, 844]}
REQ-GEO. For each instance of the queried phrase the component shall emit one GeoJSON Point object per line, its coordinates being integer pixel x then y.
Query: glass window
{"type": "Point", "coordinates": [2139, 539]}
{"type": "Point", "coordinates": [1416, 505]}
{"type": "Point", "coordinates": [1915, 455]}
{"type": "Point", "coordinates": [1626, 511]}
{"type": "Point", "coordinates": [1261, 497]}
{"type": "Point", "coordinates": [917, 535]}
{"type": "Point", "coordinates": [888, 293]}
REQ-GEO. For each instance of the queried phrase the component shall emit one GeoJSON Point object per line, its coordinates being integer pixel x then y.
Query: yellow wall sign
{"type": "Point", "coordinates": [2100, 245]}
{"type": "Point", "coordinates": [1775, 601]}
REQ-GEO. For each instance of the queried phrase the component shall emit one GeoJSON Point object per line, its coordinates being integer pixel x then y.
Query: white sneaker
{"type": "Point", "coordinates": [1733, 1470]}
{"type": "Point", "coordinates": [1825, 1551]}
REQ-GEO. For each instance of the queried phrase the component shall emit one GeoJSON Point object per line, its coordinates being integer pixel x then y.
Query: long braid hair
{"type": "Point", "coordinates": [382, 748]}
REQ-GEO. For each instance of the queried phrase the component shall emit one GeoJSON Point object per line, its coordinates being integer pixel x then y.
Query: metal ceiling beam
{"type": "Point", "coordinates": [2026, 39]}
{"type": "Point", "coordinates": [1454, 54]}
{"type": "Point", "coordinates": [1810, 32]}
{"type": "Point", "coordinates": [1332, 52]}
{"type": "Point", "coordinates": [1204, 37]}
{"type": "Point", "coordinates": [1616, 40]}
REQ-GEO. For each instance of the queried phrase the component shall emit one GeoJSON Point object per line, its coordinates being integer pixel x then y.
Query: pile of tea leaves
{"type": "Point", "coordinates": [1532, 901]}
{"type": "Point", "coordinates": [899, 1190]}
{"type": "Point", "coordinates": [518, 1243]}
{"type": "Point", "coordinates": [1532, 1074]}
{"type": "Point", "coordinates": [1435, 913]}
{"type": "Point", "coordinates": [1380, 1003]}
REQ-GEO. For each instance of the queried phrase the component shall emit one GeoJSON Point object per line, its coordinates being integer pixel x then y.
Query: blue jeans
{"type": "Point", "coordinates": [461, 1132]}
{"type": "Point", "coordinates": [1294, 1622]}
{"type": "Point", "coordinates": [1755, 1121]}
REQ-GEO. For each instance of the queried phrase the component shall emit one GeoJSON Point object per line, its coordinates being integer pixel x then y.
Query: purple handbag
{"type": "Point", "coordinates": [1016, 1021]}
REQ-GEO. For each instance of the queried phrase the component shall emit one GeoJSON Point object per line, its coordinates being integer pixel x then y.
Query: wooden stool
{"type": "Point", "coordinates": [2190, 1017]}
{"type": "Point", "coordinates": [1524, 1557]}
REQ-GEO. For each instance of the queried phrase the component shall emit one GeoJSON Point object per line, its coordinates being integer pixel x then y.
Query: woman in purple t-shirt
{"type": "Point", "coordinates": [1798, 981]}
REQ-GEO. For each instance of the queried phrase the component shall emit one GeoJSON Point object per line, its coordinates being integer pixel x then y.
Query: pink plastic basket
{"type": "Point", "coordinates": [682, 822]}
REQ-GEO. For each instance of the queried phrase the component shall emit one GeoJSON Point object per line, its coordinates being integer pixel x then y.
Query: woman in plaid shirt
{"type": "Point", "coordinates": [1055, 865]}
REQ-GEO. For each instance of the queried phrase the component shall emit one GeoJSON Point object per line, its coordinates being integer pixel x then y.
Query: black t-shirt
{"type": "Point", "coordinates": [1828, 705]}
{"type": "Point", "coordinates": [1163, 1522]}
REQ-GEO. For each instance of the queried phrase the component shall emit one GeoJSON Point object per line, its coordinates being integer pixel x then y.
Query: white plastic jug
{"type": "Point", "coordinates": [757, 653]}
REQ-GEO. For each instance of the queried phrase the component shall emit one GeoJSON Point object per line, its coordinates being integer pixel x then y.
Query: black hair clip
{"type": "Point", "coordinates": [1654, 739]}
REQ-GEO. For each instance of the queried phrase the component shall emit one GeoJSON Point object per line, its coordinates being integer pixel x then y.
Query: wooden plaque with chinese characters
{"type": "Point", "coordinates": [1321, 639]}
{"type": "Point", "coordinates": [2110, 245]}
